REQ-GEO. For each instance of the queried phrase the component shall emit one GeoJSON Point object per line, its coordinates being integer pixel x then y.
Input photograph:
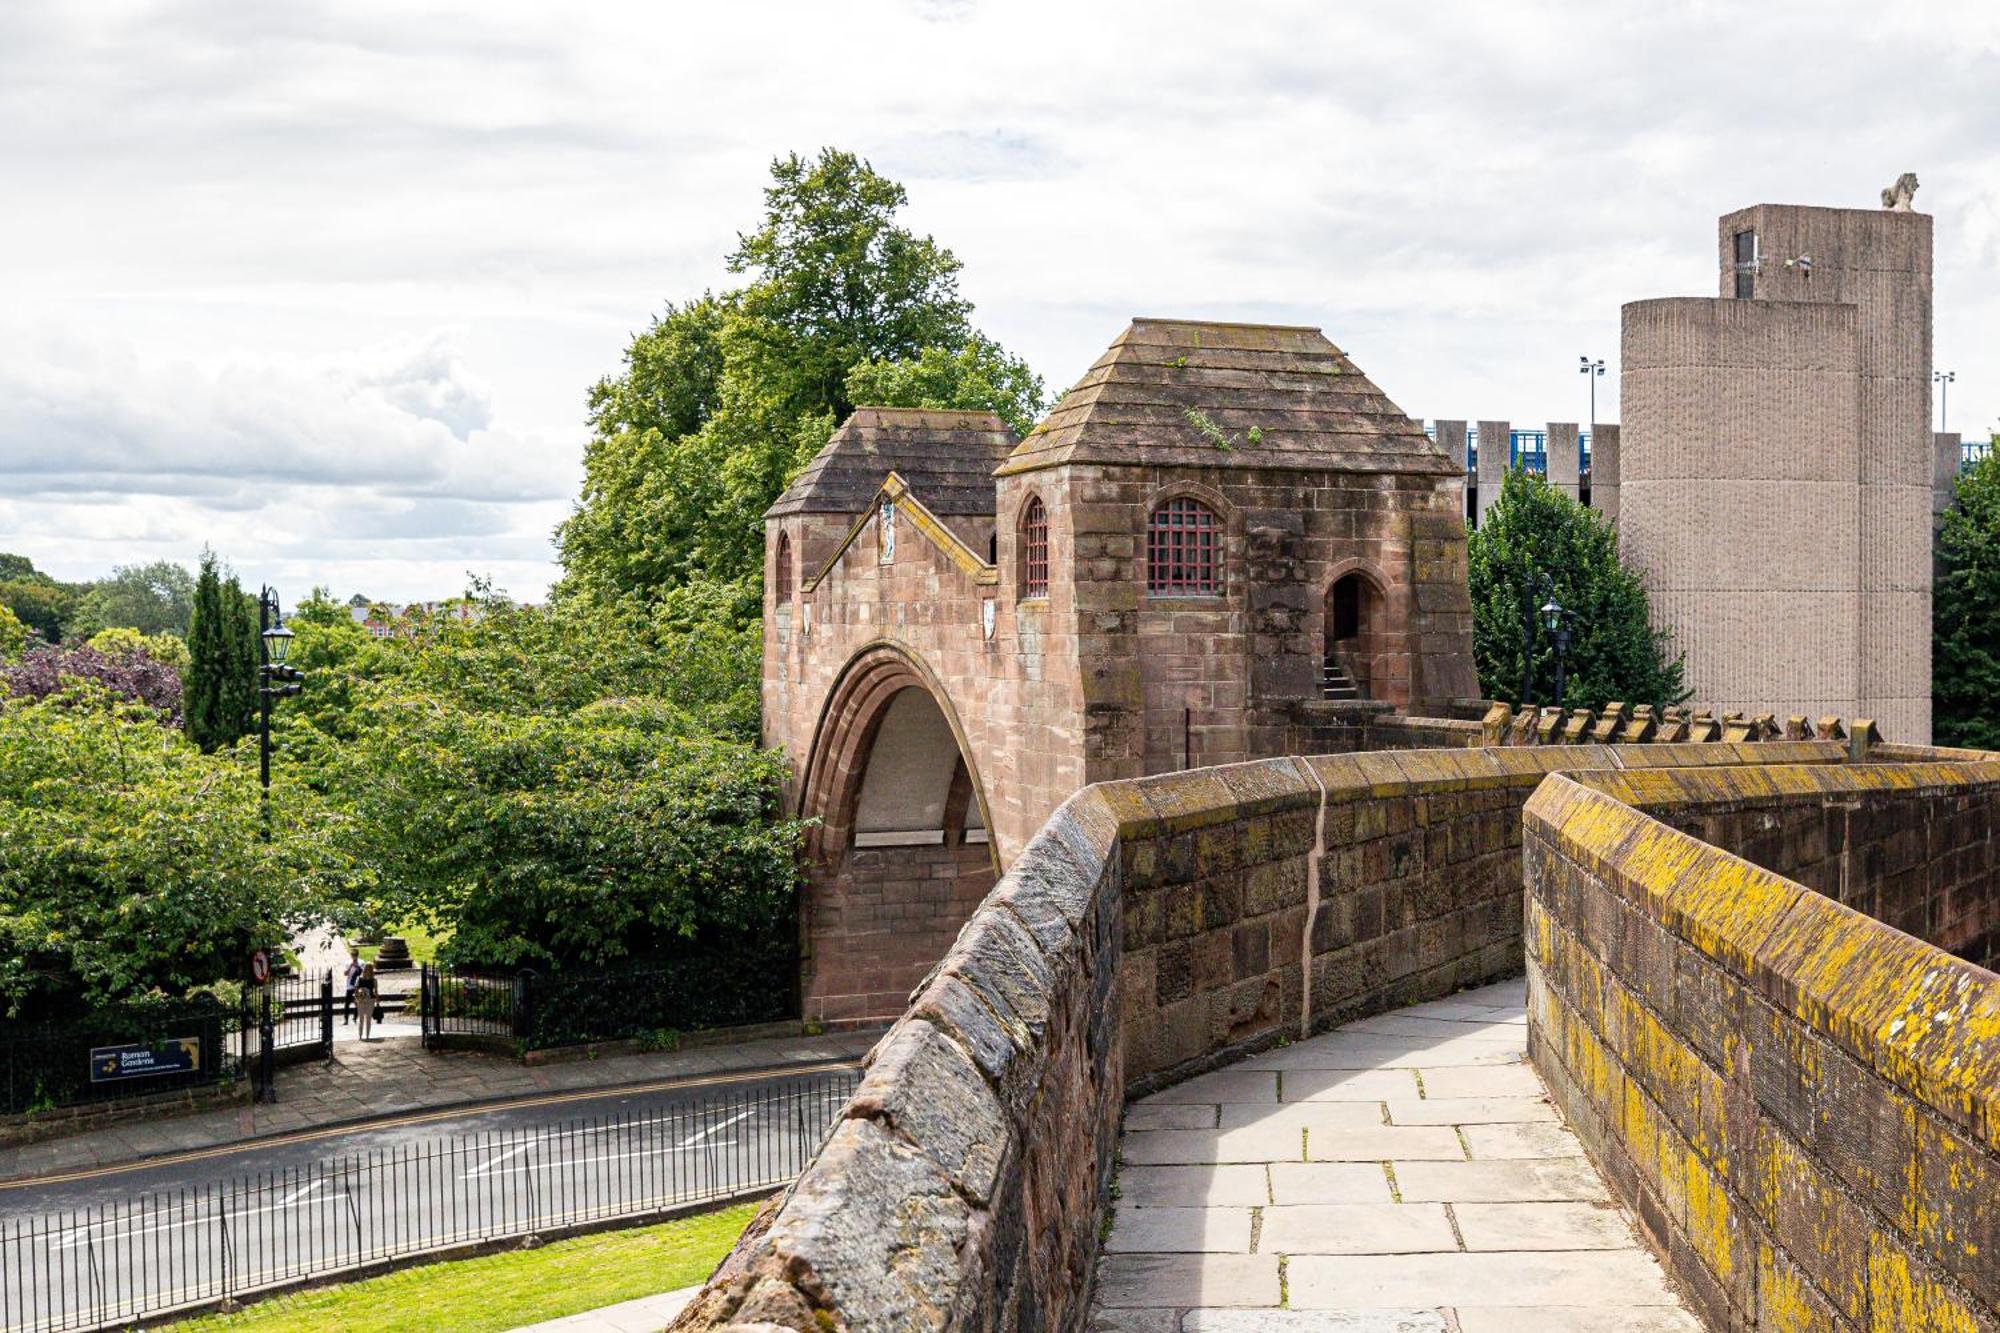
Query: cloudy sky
{"type": "Point", "coordinates": [322, 285]}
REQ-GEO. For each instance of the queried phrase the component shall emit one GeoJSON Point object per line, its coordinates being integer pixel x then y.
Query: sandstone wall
{"type": "Point", "coordinates": [1152, 929]}
{"type": "Point", "coordinates": [1801, 1104]}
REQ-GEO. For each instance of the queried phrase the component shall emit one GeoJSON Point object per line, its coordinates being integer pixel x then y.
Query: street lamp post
{"type": "Point", "coordinates": [1943, 379]}
{"type": "Point", "coordinates": [1593, 371]}
{"type": "Point", "coordinates": [275, 681]}
{"type": "Point", "coordinates": [1556, 618]}
{"type": "Point", "coordinates": [1539, 586]}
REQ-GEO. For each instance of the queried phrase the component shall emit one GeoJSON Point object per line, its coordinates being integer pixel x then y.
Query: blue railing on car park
{"type": "Point", "coordinates": [1525, 448]}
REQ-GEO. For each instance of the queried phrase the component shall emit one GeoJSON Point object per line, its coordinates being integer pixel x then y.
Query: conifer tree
{"type": "Point", "coordinates": [240, 692]}
{"type": "Point", "coordinates": [221, 697]}
{"type": "Point", "coordinates": [1965, 615]}
{"type": "Point", "coordinates": [1534, 543]}
{"type": "Point", "coordinates": [208, 660]}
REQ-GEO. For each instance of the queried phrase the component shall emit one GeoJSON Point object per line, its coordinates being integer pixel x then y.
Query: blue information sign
{"type": "Point", "coordinates": [177, 1055]}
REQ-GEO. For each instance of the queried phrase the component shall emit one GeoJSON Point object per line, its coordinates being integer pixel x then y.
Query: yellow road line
{"type": "Point", "coordinates": [426, 1117]}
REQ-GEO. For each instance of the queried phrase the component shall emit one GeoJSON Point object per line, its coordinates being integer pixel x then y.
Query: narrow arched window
{"type": "Point", "coordinates": [1182, 538]}
{"type": "Point", "coordinates": [1035, 549]}
{"type": "Point", "coordinates": [784, 567]}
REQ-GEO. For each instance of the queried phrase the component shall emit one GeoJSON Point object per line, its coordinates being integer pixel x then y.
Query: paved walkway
{"type": "Point", "coordinates": [395, 1076]}
{"type": "Point", "coordinates": [1402, 1174]}
{"type": "Point", "coordinates": [648, 1314]}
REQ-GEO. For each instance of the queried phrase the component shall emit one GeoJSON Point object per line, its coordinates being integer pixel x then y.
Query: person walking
{"type": "Point", "coordinates": [366, 993]}
{"type": "Point", "coordinates": [353, 974]}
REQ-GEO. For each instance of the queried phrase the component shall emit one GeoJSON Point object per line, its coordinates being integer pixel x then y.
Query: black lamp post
{"type": "Point", "coordinates": [1539, 586]}
{"type": "Point", "coordinates": [1555, 619]}
{"type": "Point", "coordinates": [275, 680]}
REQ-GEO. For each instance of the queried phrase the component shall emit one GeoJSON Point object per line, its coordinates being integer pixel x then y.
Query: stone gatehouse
{"type": "Point", "coordinates": [1217, 530]}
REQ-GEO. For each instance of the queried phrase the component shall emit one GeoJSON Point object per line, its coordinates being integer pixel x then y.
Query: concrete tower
{"type": "Point", "coordinates": [1777, 466]}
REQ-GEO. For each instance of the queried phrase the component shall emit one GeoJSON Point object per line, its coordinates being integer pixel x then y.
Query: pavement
{"type": "Point", "coordinates": [393, 1076]}
{"type": "Point", "coordinates": [648, 1314]}
{"type": "Point", "coordinates": [1402, 1174]}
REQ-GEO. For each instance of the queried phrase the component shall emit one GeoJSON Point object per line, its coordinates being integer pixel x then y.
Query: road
{"type": "Point", "coordinates": [118, 1242]}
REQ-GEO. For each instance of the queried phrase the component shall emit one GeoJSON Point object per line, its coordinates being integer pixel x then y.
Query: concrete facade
{"type": "Point", "coordinates": [1776, 482]}
{"type": "Point", "coordinates": [901, 553]}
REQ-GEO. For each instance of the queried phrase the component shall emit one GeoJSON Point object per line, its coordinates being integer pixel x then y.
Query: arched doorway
{"type": "Point", "coordinates": [902, 853]}
{"type": "Point", "coordinates": [1353, 633]}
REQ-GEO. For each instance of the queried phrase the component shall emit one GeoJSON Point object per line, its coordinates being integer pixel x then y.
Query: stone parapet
{"type": "Point", "coordinates": [1154, 928]}
{"type": "Point", "coordinates": [1800, 1102]}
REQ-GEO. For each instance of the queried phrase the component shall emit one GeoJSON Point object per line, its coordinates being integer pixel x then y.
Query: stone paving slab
{"type": "Point", "coordinates": [648, 1314]}
{"type": "Point", "coordinates": [1403, 1174]}
{"type": "Point", "coordinates": [395, 1075]}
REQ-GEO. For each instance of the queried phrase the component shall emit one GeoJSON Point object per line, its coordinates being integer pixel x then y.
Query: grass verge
{"type": "Point", "coordinates": [496, 1292]}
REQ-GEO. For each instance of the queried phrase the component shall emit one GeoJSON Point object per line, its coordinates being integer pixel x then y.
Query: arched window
{"type": "Point", "coordinates": [784, 567]}
{"type": "Point", "coordinates": [1035, 549]}
{"type": "Point", "coordinates": [1182, 538]}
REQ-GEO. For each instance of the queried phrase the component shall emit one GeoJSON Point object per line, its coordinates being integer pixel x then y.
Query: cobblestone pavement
{"type": "Point", "coordinates": [1402, 1174]}
{"type": "Point", "coordinates": [395, 1076]}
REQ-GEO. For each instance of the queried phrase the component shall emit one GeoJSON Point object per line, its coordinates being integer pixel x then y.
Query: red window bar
{"type": "Point", "coordinates": [1035, 550]}
{"type": "Point", "coordinates": [1181, 541]}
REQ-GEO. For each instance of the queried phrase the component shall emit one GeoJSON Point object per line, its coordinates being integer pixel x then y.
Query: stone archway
{"type": "Point", "coordinates": [902, 851]}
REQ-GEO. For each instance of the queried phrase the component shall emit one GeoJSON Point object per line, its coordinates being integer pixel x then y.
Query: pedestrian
{"type": "Point", "coordinates": [365, 995]}
{"type": "Point", "coordinates": [353, 975]}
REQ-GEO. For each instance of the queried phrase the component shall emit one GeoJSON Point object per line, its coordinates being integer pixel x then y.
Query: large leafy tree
{"type": "Point", "coordinates": [153, 599]}
{"type": "Point", "coordinates": [1965, 612]}
{"type": "Point", "coordinates": [725, 397]}
{"type": "Point", "coordinates": [1536, 542]}
{"type": "Point", "coordinates": [560, 786]}
{"type": "Point", "coordinates": [39, 602]}
{"type": "Point", "coordinates": [132, 864]}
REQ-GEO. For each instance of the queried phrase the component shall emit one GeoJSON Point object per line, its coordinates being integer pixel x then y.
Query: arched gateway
{"type": "Point", "coordinates": [962, 628]}
{"type": "Point", "coordinates": [901, 852]}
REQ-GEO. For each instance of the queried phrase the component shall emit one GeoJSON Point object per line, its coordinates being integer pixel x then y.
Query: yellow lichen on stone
{"type": "Point", "coordinates": [1903, 1296]}
{"type": "Point", "coordinates": [1782, 1306]}
{"type": "Point", "coordinates": [1711, 1223]}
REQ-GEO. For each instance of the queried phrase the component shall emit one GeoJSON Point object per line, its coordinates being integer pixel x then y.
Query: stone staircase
{"type": "Point", "coordinates": [1335, 682]}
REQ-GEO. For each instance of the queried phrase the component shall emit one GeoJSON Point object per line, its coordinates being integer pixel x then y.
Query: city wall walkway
{"type": "Point", "coordinates": [1401, 1174]}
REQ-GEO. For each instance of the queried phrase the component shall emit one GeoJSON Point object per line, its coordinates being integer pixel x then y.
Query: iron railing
{"type": "Point", "coordinates": [644, 1001]}
{"type": "Point", "coordinates": [174, 1250]}
{"type": "Point", "coordinates": [112, 1056]}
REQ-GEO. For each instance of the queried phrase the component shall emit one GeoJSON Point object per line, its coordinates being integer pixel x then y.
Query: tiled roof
{"type": "Point", "coordinates": [1190, 392]}
{"type": "Point", "coordinates": [947, 458]}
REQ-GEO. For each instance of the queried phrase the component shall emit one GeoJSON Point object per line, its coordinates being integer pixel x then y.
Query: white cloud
{"type": "Point", "coordinates": [362, 260]}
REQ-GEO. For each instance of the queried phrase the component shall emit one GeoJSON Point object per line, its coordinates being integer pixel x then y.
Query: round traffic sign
{"type": "Point", "coordinates": [260, 967]}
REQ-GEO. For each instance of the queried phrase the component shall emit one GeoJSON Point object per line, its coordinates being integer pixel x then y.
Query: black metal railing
{"type": "Point", "coordinates": [125, 1053]}
{"type": "Point", "coordinates": [748, 982]}
{"type": "Point", "coordinates": [107, 1265]}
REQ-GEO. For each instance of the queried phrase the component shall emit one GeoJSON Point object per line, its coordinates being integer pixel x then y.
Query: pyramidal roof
{"type": "Point", "coordinates": [1205, 394]}
{"type": "Point", "coordinates": [947, 458]}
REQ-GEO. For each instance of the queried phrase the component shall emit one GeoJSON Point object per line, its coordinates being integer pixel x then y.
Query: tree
{"type": "Point", "coordinates": [168, 649]}
{"type": "Point", "coordinates": [243, 637]}
{"type": "Point", "coordinates": [152, 599]}
{"type": "Point", "coordinates": [221, 695]}
{"type": "Point", "coordinates": [724, 398]}
{"type": "Point", "coordinates": [13, 635]}
{"type": "Point", "coordinates": [1965, 615]}
{"type": "Point", "coordinates": [48, 670]}
{"type": "Point", "coordinates": [37, 601]}
{"type": "Point", "coordinates": [1532, 533]}
{"type": "Point", "coordinates": [560, 786]}
{"type": "Point", "coordinates": [132, 864]}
